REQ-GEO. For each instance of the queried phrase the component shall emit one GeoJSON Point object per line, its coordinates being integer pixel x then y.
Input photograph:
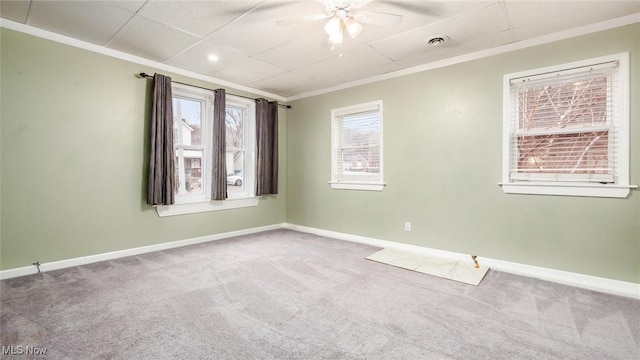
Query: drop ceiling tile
{"type": "Point", "coordinates": [131, 5]}
{"type": "Point", "coordinates": [531, 19]}
{"type": "Point", "coordinates": [257, 31]}
{"type": "Point", "coordinates": [249, 71]}
{"type": "Point", "coordinates": [151, 40]}
{"type": "Point", "coordinates": [14, 10]}
{"type": "Point", "coordinates": [455, 48]}
{"type": "Point", "coordinates": [92, 21]}
{"type": "Point", "coordinates": [279, 84]}
{"type": "Point", "coordinates": [305, 51]}
{"type": "Point", "coordinates": [314, 86]}
{"type": "Point", "coordinates": [349, 67]}
{"type": "Point", "coordinates": [479, 27]}
{"type": "Point", "coordinates": [415, 14]}
{"type": "Point", "coordinates": [197, 17]}
{"type": "Point", "coordinates": [544, 14]}
{"type": "Point", "coordinates": [196, 59]}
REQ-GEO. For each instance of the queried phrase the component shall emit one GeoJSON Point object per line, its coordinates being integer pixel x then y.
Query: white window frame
{"type": "Point", "coordinates": [189, 203]}
{"type": "Point", "coordinates": [341, 184]}
{"type": "Point", "coordinates": [249, 135]}
{"type": "Point", "coordinates": [620, 187]}
{"type": "Point", "coordinates": [206, 120]}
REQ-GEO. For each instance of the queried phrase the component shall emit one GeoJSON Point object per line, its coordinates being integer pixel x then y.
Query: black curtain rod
{"type": "Point", "coordinates": [145, 75]}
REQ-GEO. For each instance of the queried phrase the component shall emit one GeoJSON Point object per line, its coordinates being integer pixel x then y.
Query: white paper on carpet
{"type": "Point", "coordinates": [432, 265]}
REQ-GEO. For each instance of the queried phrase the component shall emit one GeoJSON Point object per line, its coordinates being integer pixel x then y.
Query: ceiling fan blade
{"type": "Point", "coordinates": [377, 18]}
{"type": "Point", "coordinates": [295, 21]}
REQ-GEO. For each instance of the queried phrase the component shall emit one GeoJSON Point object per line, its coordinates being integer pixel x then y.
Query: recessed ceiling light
{"type": "Point", "coordinates": [437, 40]}
{"type": "Point", "coordinates": [213, 57]}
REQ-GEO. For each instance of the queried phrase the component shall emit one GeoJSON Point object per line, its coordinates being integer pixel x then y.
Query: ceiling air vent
{"type": "Point", "coordinates": [437, 40]}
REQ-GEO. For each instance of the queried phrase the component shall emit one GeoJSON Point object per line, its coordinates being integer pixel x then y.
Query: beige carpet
{"type": "Point", "coordinates": [288, 295]}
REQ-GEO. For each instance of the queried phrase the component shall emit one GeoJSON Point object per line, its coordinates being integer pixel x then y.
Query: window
{"type": "Point", "coordinates": [192, 126]}
{"type": "Point", "coordinates": [356, 146]}
{"type": "Point", "coordinates": [566, 129]}
{"type": "Point", "coordinates": [240, 154]}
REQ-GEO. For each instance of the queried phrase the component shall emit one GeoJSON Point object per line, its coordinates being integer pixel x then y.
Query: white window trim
{"type": "Point", "coordinates": [183, 209]}
{"type": "Point", "coordinates": [205, 96]}
{"type": "Point", "coordinates": [351, 184]}
{"type": "Point", "coordinates": [621, 188]}
{"type": "Point", "coordinates": [190, 204]}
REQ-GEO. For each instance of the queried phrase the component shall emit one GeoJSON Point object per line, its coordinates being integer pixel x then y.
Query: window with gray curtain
{"type": "Point", "coordinates": [219, 147]}
{"type": "Point", "coordinates": [160, 185]}
{"type": "Point", "coordinates": [266, 147]}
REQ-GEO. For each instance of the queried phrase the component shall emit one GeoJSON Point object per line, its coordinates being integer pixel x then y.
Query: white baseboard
{"type": "Point", "coordinates": [55, 265]}
{"type": "Point", "coordinates": [595, 283]}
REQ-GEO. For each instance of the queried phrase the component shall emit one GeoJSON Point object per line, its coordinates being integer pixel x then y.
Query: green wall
{"type": "Point", "coordinates": [443, 160]}
{"type": "Point", "coordinates": [74, 158]}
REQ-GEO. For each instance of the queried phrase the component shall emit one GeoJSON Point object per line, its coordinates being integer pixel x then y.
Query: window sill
{"type": "Point", "coordinates": [366, 186]}
{"type": "Point", "coordinates": [191, 208]}
{"type": "Point", "coordinates": [565, 189]}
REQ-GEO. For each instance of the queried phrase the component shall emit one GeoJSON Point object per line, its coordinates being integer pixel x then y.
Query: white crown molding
{"type": "Point", "coordinates": [589, 282]}
{"type": "Point", "coordinates": [541, 40]}
{"type": "Point", "coordinates": [48, 35]}
{"type": "Point", "coordinates": [29, 270]}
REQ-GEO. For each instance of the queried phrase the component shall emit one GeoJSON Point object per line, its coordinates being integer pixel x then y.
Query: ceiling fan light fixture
{"type": "Point", "coordinates": [336, 38]}
{"type": "Point", "coordinates": [353, 27]}
{"type": "Point", "coordinates": [333, 26]}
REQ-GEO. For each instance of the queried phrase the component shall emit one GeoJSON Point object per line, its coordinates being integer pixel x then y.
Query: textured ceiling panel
{"type": "Point", "coordinates": [14, 10]}
{"type": "Point", "coordinates": [485, 27]}
{"type": "Point", "coordinates": [152, 40]}
{"type": "Point", "coordinates": [257, 31]}
{"type": "Point", "coordinates": [349, 67]}
{"type": "Point", "coordinates": [92, 21]}
{"type": "Point", "coordinates": [131, 5]}
{"type": "Point", "coordinates": [249, 71]}
{"type": "Point", "coordinates": [531, 19]}
{"type": "Point", "coordinates": [282, 82]}
{"type": "Point", "coordinates": [303, 52]}
{"type": "Point", "coordinates": [196, 58]}
{"type": "Point", "coordinates": [197, 17]}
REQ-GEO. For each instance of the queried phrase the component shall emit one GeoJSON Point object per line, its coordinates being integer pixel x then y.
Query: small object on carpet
{"type": "Point", "coordinates": [475, 261]}
{"type": "Point", "coordinates": [442, 267]}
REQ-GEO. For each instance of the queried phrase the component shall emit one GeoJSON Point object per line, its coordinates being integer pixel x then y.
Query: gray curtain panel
{"type": "Point", "coordinates": [219, 163]}
{"type": "Point", "coordinates": [267, 147]}
{"type": "Point", "coordinates": [162, 156]}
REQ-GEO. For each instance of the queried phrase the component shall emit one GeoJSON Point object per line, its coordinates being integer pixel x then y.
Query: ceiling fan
{"type": "Point", "coordinates": [345, 16]}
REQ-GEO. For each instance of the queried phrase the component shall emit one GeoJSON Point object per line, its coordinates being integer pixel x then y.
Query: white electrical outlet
{"type": "Point", "coordinates": [407, 226]}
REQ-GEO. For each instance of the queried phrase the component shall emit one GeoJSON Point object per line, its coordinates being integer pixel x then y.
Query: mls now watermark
{"type": "Point", "coordinates": [23, 350]}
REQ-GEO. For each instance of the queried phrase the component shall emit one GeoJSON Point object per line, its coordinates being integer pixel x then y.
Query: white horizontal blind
{"type": "Point", "coordinates": [357, 140]}
{"type": "Point", "coordinates": [564, 125]}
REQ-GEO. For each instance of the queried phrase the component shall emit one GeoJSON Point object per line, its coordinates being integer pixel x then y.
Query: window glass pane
{"type": "Point", "coordinates": [193, 171]}
{"type": "Point", "coordinates": [572, 103]}
{"type": "Point", "coordinates": [235, 171]}
{"type": "Point", "coordinates": [360, 145]}
{"type": "Point", "coordinates": [235, 132]}
{"type": "Point", "coordinates": [187, 120]}
{"type": "Point", "coordinates": [580, 153]}
{"type": "Point", "coordinates": [235, 149]}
